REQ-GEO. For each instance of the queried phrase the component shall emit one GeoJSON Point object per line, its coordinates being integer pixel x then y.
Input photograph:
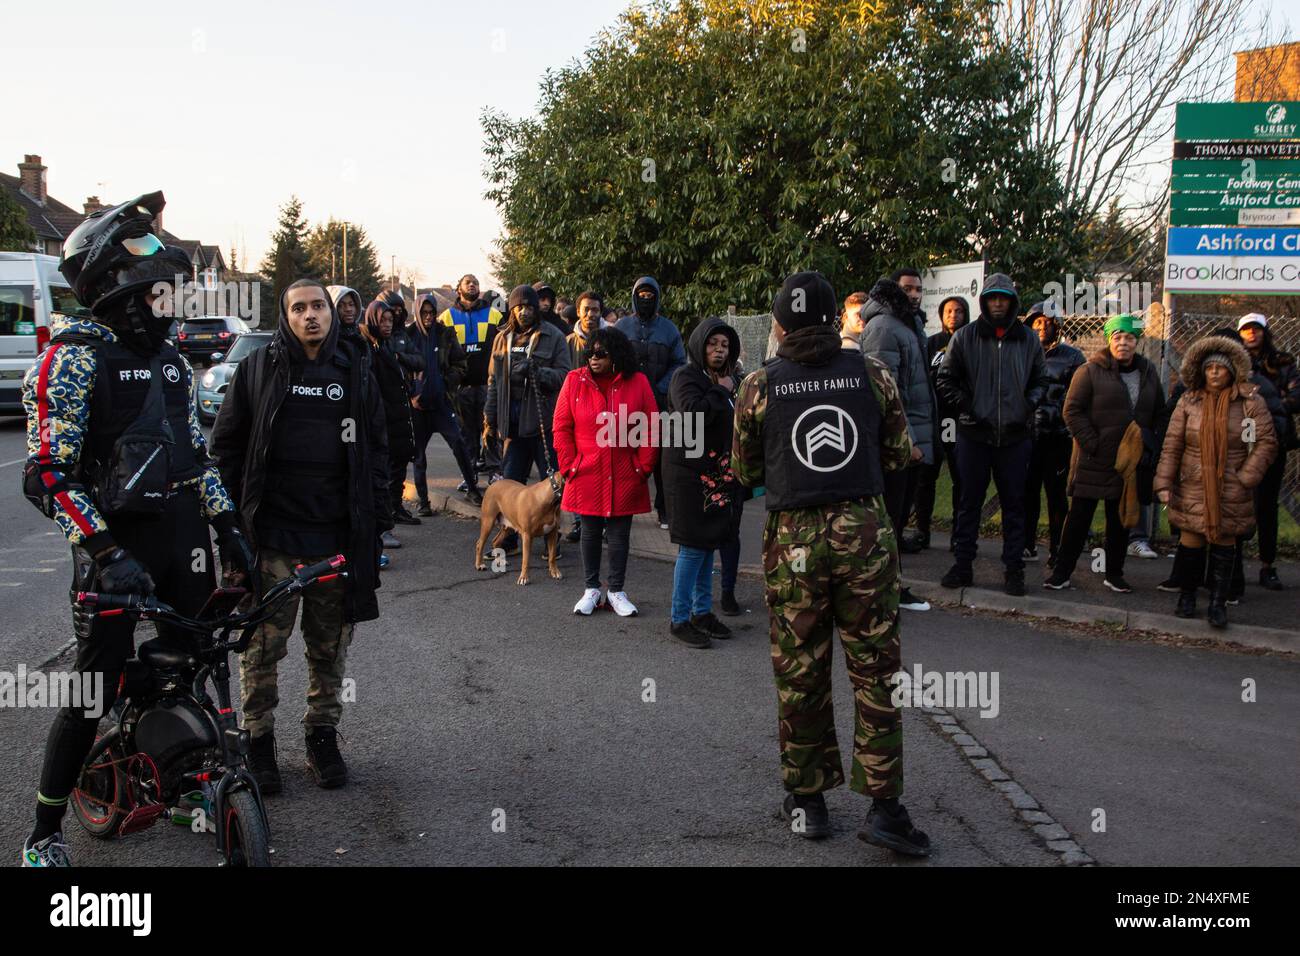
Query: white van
{"type": "Point", "coordinates": [31, 289]}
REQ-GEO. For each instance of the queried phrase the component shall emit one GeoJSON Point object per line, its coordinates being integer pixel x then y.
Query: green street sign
{"type": "Point", "coordinates": [1236, 175]}
{"type": "Point", "coordinates": [1235, 200]}
{"type": "Point", "coordinates": [1234, 217]}
{"type": "Point", "coordinates": [1239, 121]}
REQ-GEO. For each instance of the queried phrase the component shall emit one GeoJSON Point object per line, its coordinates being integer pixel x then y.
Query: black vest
{"type": "Point", "coordinates": [121, 386]}
{"type": "Point", "coordinates": [307, 467]}
{"type": "Point", "coordinates": [821, 433]}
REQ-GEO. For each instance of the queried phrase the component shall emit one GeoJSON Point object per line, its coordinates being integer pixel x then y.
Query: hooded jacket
{"type": "Point", "coordinates": [242, 437]}
{"type": "Point", "coordinates": [443, 361]}
{"type": "Point", "coordinates": [1097, 412]}
{"type": "Point", "coordinates": [1060, 362]}
{"type": "Point", "coordinates": [994, 381]}
{"type": "Point", "coordinates": [551, 315]}
{"type": "Point", "coordinates": [700, 488]}
{"type": "Point", "coordinates": [656, 341]}
{"type": "Point", "coordinates": [894, 334]}
{"type": "Point", "coordinates": [1281, 371]}
{"type": "Point", "coordinates": [1179, 471]}
{"type": "Point", "coordinates": [391, 378]}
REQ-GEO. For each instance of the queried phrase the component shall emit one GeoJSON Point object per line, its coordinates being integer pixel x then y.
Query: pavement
{"type": "Point", "coordinates": [1264, 619]}
{"type": "Point", "coordinates": [492, 726]}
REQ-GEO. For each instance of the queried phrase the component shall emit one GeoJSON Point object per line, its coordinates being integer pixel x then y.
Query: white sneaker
{"type": "Point", "coordinates": [621, 605]}
{"type": "Point", "coordinates": [390, 541]}
{"type": "Point", "coordinates": [1141, 549]}
{"type": "Point", "coordinates": [589, 602]}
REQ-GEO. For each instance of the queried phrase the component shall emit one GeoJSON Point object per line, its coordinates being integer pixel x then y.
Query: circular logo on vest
{"type": "Point", "coordinates": [335, 392]}
{"type": "Point", "coordinates": [824, 438]}
{"type": "Point", "coordinates": [171, 373]}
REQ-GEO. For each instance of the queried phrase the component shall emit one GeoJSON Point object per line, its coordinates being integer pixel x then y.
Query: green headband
{"type": "Point", "coordinates": [1123, 323]}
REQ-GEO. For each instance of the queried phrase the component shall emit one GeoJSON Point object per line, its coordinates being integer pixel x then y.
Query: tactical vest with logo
{"type": "Point", "coordinates": [121, 387]}
{"type": "Point", "coordinates": [821, 433]}
{"type": "Point", "coordinates": [307, 468]}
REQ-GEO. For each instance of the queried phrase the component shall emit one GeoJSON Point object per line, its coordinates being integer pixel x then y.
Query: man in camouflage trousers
{"type": "Point", "coordinates": [818, 426]}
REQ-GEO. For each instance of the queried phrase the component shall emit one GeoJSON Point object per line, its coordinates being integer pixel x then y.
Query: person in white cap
{"type": "Point", "coordinates": [1280, 369]}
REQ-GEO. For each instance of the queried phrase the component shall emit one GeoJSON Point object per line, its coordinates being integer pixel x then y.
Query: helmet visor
{"type": "Point", "coordinates": [146, 245]}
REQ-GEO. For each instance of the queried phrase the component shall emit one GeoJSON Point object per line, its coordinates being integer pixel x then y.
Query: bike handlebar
{"type": "Point", "coordinates": [109, 605]}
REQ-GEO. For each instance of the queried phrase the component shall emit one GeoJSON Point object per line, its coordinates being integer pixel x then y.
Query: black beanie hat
{"type": "Point", "coordinates": [806, 298]}
{"type": "Point", "coordinates": [523, 295]}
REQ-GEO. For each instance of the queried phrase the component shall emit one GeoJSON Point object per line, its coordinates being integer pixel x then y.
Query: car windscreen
{"type": "Point", "coordinates": [245, 345]}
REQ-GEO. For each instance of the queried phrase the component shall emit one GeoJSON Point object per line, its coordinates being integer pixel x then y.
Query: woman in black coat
{"type": "Point", "coordinates": [701, 491]}
{"type": "Point", "coordinates": [377, 330]}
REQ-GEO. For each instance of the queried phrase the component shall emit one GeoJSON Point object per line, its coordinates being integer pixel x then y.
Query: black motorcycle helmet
{"type": "Point", "coordinates": [115, 253]}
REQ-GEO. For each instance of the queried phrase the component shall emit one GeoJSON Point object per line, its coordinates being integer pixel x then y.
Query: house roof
{"type": "Point", "coordinates": [54, 220]}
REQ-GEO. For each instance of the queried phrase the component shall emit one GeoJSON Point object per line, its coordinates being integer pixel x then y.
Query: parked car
{"type": "Point", "coordinates": [32, 291]}
{"type": "Point", "coordinates": [210, 334]}
{"type": "Point", "coordinates": [213, 382]}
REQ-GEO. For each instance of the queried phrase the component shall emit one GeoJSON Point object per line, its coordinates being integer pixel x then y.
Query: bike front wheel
{"type": "Point", "coordinates": [247, 841]}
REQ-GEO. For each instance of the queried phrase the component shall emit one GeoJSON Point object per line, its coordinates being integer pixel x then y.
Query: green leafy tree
{"type": "Point", "coordinates": [325, 253]}
{"type": "Point", "coordinates": [722, 145]}
{"type": "Point", "coordinates": [15, 233]}
{"type": "Point", "coordinates": [287, 261]}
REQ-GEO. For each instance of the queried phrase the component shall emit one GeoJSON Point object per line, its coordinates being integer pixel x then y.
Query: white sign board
{"type": "Point", "coordinates": [1229, 260]}
{"type": "Point", "coordinates": [965, 280]}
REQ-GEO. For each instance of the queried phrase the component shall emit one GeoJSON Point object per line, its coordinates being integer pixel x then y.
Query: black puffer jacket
{"type": "Point", "coordinates": [994, 383]}
{"type": "Point", "coordinates": [388, 373]}
{"type": "Point", "coordinates": [1061, 361]}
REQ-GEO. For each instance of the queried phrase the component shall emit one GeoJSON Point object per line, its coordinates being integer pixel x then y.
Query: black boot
{"type": "Point", "coordinates": [323, 758]}
{"type": "Point", "coordinates": [889, 825]}
{"type": "Point", "coordinates": [1221, 561]}
{"type": "Point", "coordinates": [1186, 577]}
{"type": "Point", "coordinates": [262, 764]}
{"type": "Point", "coordinates": [815, 822]}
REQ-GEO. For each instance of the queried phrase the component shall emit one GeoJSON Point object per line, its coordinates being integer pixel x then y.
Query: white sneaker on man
{"type": "Point", "coordinates": [51, 851]}
{"type": "Point", "coordinates": [589, 602]}
{"type": "Point", "coordinates": [390, 541]}
{"type": "Point", "coordinates": [621, 605]}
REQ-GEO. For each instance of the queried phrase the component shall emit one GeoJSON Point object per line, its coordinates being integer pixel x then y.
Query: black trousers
{"type": "Point", "coordinates": [1266, 505]}
{"type": "Point", "coordinates": [1049, 470]}
{"type": "Point", "coordinates": [928, 480]}
{"type": "Point", "coordinates": [427, 424]}
{"type": "Point", "coordinates": [1077, 524]}
{"type": "Point", "coordinates": [620, 534]}
{"type": "Point", "coordinates": [899, 493]}
{"type": "Point", "coordinates": [470, 402]}
{"type": "Point", "coordinates": [166, 545]}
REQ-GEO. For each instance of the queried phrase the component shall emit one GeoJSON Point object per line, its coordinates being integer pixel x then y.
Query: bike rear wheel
{"type": "Point", "coordinates": [247, 839]}
{"type": "Point", "coordinates": [99, 797]}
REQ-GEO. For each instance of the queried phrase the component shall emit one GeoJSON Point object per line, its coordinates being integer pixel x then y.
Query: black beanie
{"type": "Point", "coordinates": [806, 298]}
{"type": "Point", "coordinates": [523, 295]}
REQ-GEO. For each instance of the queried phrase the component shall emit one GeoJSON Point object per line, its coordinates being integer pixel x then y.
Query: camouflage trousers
{"type": "Point", "coordinates": [825, 567]}
{"type": "Point", "coordinates": [326, 637]}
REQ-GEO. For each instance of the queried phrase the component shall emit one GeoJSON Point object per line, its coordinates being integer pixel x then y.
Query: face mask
{"type": "Point", "coordinates": [646, 307]}
{"type": "Point", "coordinates": [139, 328]}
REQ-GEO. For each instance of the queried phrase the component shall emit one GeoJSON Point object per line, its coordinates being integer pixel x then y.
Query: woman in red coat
{"type": "Point", "coordinates": [603, 441]}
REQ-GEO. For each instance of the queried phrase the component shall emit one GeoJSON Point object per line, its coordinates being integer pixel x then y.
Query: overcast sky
{"type": "Point", "coordinates": [367, 110]}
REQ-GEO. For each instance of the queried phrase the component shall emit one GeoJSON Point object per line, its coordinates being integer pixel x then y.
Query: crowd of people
{"type": "Point", "coordinates": [843, 433]}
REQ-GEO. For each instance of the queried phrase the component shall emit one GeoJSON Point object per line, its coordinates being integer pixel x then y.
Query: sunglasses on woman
{"type": "Point", "coordinates": [599, 354]}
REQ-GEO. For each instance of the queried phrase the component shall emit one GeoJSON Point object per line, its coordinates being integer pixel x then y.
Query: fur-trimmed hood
{"type": "Point", "coordinates": [1194, 377]}
{"type": "Point", "coordinates": [887, 298]}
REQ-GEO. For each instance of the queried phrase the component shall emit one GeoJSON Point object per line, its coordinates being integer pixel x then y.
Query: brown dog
{"type": "Point", "coordinates": [532, 510]}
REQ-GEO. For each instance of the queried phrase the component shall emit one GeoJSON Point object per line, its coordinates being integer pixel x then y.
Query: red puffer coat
{"type": "Point", "coordinates": [604, 478]}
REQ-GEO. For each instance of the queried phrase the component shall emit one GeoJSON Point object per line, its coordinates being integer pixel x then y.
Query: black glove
{"type": "Point", "coordinates": [237, 558]}
{"type": "Point", "coordinates": [119, 573]}
{"type": "Point", "coordinates": [1042, 420]}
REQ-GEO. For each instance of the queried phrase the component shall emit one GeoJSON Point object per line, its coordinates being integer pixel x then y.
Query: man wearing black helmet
{"type": "Point", "coordinates": [99, 379]}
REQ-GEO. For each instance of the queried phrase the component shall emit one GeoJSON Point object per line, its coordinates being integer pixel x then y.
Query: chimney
{"type": "Point", "coordinates": [31, 173]}
{"type": "Point", "coordinates": [92, 205]}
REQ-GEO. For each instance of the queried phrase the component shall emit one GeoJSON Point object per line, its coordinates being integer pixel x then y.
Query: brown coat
{"type": "Point", "coordinates": [1179, 471]}
{"type": "Point", "coordinates": [1097, 412]}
